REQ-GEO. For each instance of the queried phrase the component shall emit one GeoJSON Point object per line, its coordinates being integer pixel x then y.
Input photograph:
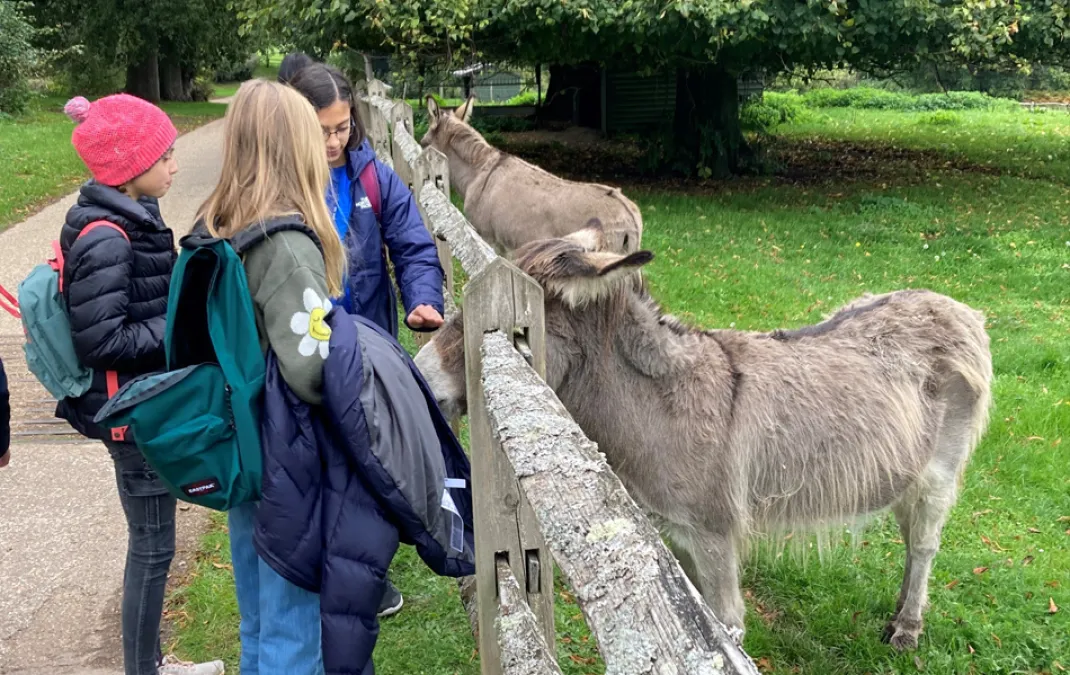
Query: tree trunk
{"type": "Point", "coordinates": [706, 129]}
{"type": "Point", "coordinates": [143, 78]}
{"type": "Point", "coordinates": [574, 94]}
{"type": "Point", "coordinates": [172, 83]}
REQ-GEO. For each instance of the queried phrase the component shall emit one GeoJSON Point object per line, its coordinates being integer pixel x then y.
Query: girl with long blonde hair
{"type": "Point", "coordinates": [270, 196]}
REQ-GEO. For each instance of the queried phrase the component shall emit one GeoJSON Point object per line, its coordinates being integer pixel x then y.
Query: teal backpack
{"type": "Point", "coordinates": [49, 349]}
{"type": "Point", "coordinates": [198, 423]}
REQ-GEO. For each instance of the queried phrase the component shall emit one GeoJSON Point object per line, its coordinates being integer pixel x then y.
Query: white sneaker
{"type": "Point", "coordinates": [173, 666]}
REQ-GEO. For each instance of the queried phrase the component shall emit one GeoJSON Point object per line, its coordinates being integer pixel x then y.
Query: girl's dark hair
{"type": "Point", "coordinates": [323, 85]}
{"type": "Point", "coordinates": [291, 64]}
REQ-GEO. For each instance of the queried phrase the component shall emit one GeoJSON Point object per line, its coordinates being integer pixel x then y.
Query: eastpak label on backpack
{"type": "Point", "coordinates": [198, 424]}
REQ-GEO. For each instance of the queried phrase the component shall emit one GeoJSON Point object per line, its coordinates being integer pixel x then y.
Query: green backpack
{"type": "Point", "coordinates": [198, 423]}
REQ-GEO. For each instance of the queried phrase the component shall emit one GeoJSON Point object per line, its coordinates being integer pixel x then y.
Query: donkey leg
{"type": "Point", "coordinates": [925, 514]}
{"type": "Point", "coordinates": [717, 564]}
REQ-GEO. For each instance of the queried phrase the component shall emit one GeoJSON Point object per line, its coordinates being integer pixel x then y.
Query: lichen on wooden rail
{"type": "Point", "coordinates": [523, 650]}
{"type": "Point", "coordinates": [646, 615]}
{"type": "Point", "coordinates": [410, 148]}
{"type": "Point", "coordinates": [447, 221]}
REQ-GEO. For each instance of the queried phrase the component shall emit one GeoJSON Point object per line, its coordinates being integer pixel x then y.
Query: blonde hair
{"type": "Point", "coordinates": [273, 165]}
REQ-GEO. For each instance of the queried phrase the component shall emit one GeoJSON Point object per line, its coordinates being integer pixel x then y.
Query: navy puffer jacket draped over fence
{"type": "Point", "coordinates": [345, 482]}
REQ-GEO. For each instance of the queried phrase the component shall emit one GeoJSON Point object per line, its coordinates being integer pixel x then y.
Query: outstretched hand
{"type": "Point", "coordinates": [424, 316]}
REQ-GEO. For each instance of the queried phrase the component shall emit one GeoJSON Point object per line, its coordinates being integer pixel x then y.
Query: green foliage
{"type": "Point", "coordinates": [941, 118]}
{"type": "Point", "coordinates": [880, 99]}
{"type": "Point", "coordinates": [98, 39]}
{"type": "Point", "coordinates": [523, 98]}
{"type": "Point", "coordinates": [771, 111]}
{"type": "Point", "coordinates": [18, 58]}
{"type": "Point", "coordinates": [238, 69]}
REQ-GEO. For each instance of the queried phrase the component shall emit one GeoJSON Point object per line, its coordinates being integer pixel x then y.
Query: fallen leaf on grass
{"type": "Point", "coordinates": [951, 584]}
{"type": "Point", "coordinates": [1063, 519]}
{"type": "Point", "coordinates": [999, 643]}
{"type": "Point", "coordinates": [918, 663]}
{"type": "Point", "coordinates": [994, 545]}
{"type": "Point", "coordinates": [764, 664]}
{"type": "Point", "coordinates": [583, 660]}
{"type": "Point", "coordinates": [971, 648]}
{"type": "Point", "coordinates": [1051, 584]}
{"type": "Point", "coordinates": [980, 570]}
{"type": "Point", "coordinates": [1026, 560]}
{"type": "Point", "coordinates": [1052, 607]}
{"type": "Point", "coordinates": [1034, 530]}
{"type": "Point", "coordinates": [1058, 665]}
{"type": "Point", "coordinates": [222, 566]}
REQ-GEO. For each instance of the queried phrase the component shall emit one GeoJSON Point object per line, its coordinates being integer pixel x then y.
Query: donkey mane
{"type": "Point", "coordinates": [469, 144]}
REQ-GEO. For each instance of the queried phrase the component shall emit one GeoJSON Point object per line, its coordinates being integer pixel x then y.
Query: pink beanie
{"type": "Point", "coordinates": [119, 137]}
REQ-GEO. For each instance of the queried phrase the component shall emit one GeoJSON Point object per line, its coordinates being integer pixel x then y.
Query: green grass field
{"type": "Point", "coordinates": [978, 208]}
{"type": "Point", "coordinates": [40, 163]}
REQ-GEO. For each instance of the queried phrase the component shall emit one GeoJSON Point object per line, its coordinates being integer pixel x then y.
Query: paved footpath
{"type": "Point", "coordinates": [62, 530]}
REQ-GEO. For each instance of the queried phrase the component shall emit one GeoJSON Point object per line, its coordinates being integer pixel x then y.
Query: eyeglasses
{"type": "Point", "coordinates": [342, 132]}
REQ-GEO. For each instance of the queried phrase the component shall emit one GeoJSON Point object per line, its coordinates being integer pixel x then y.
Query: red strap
{"type": "Point", "coordinates": [9, 304]}
{"type": "Point", "coordinates": [369, 180]}
{"type": "Point", "coordinates": [118, 434]}
{"type": "Point", "coordinates": [57, 251]}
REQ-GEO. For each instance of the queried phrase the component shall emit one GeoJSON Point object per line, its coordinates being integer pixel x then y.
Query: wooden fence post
{"type": "Point", "coordinates": [433, 167]}
{"type": "Point", "coordinates": [378, 131]}
{"type": "Point", "coordinates": [501, 297]}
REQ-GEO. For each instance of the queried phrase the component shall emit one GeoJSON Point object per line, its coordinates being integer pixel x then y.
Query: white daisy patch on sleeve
{"type": "Point", "coordinates": [310, 324]}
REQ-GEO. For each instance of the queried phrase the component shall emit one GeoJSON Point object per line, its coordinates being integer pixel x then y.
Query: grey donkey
{"type": "Point", "coordinates": [725, 434]}
{"type": "Point", "coordinates": [511, 202]}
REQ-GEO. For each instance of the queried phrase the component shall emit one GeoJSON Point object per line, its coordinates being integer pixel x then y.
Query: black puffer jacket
{"type": "Point", "coordinates": [116, 294]}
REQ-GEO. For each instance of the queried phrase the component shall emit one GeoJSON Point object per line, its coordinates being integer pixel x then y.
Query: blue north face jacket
{"type": "Point", "coordinates": [412, 250]}
{"type": "Point", "coordinates": [345, 482]}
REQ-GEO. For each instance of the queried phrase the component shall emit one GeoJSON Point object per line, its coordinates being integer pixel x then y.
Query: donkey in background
{"type": "Point", "coordinates": [725, 433]}
{"type": "Point", "coordinates": [511, 202]}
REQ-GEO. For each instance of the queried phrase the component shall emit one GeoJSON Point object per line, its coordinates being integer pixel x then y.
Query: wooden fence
{"type": "Point", "coordinates": [541, 490]}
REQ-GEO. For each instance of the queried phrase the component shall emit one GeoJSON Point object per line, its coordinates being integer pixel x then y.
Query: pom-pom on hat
{"type": "Point", "coordinates": [119, 137]}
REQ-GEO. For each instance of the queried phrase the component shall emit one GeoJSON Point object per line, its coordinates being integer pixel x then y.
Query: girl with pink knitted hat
{"type": "Point", "coordinates": [118, 255]}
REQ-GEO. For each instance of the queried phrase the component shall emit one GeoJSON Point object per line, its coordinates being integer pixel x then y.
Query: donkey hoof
{"type": "Point", "coordinates": [900, 636]}
{"type": "Point", "coordinates": [736, 634]}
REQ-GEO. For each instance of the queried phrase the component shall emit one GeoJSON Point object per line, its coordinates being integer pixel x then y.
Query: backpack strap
{"type": "Point", "coordinates": [57, 251]}
{"type": "Point", "coordinates": [252, 236]}
{"type": "Point", "coordinates": [9, 304]}
{"type": "Point", "coordinates": [118, 434]}
{"type": "Point", "coordinates": [369, 180]}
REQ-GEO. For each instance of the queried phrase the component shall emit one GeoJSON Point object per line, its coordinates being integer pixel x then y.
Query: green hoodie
{"type": "Point", "coordinates": [288, 281]}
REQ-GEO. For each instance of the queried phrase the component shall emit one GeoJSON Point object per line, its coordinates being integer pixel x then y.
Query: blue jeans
{"type": "Point", "coordinates": [280, 622]}
{"type": "Point", "coordinates": [150, 525]}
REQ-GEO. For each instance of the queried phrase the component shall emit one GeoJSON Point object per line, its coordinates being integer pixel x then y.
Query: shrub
{"type": "Point", "coordinates": [880, 99]}
{"type": "Point", "coordinates": [771, 111]}
{"type": "Point", "coordinates": [940, 118]}
{"type": "Point", "coordinates": [524, 98]}
{"type": "Point", "coordinates": [237, 70]}
{"type": "Point", "coordinates": [18, 58]}
{"type": "Point", "coordinates": [80, 72]}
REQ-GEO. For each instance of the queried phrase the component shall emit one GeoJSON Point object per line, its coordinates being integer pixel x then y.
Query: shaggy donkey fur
{"type": "Point", "coordinates": [726, 433]}
{"type": "Point", "coordinates": [511, 202]}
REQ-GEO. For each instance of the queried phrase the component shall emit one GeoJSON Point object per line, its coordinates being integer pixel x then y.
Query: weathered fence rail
{"type": "Point", "coordinates": [542, 492]}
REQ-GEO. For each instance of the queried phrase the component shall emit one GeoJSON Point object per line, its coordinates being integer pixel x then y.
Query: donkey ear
{"type": "Point", "coordinates": [432, 106]}
{"type": "Point", "coordinates": [583, 277]}
{"type": "Point", "coordinates": [592, 237]}
{"type": "Point", "coordinates": [464, 113]}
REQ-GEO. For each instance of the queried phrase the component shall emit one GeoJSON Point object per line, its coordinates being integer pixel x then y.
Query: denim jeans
{"type": "Point", "coordinates": [280, 622]}
{"type": "Point", "coordinates": [150, 524]}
